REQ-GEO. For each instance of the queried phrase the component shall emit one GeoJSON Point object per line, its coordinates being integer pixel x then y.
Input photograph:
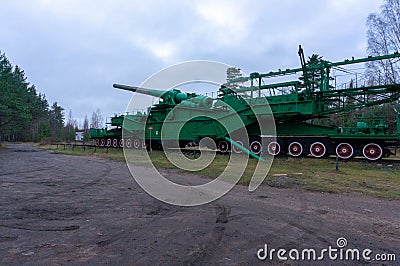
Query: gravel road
{"type": "Point", "coordinates": [57, 209]}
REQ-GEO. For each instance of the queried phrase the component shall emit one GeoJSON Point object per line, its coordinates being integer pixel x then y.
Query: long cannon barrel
{"type": "Point", "coordinates": [169, 97]}
{"type": "Point", "coordinates": [172, 97]}
{"type": "Point", "coordinates": [155, 93]}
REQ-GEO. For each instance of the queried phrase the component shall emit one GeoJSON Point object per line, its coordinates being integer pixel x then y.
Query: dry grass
{"type": "Point", "coordinates": [370, 178]}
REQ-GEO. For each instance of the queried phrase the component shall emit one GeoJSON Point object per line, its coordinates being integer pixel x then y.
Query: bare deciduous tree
{"type": "Point", "coordinates": [383, 38]}
{"type": "Point", "coordinates": [97, 119]}
{"type": "Point", "coordinates": [86, 124]}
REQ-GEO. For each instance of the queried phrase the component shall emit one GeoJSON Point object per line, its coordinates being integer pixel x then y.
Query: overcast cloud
{"type": "Point", "coordinates": [73, 51]}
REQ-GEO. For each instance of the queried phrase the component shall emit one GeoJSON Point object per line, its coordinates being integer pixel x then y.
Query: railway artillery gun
{"type": "Point", "coordinates": [291, 105]}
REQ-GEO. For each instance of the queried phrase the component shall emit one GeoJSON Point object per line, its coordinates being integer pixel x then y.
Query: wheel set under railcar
{"type": "Point", "coordinates": [283, 146]}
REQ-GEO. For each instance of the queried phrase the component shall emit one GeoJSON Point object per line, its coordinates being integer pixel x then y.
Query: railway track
{"type": "Point", "coordinates": [194, 151]}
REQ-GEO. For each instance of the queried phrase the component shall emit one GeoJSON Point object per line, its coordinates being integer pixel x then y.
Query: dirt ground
{"type": "Point", "coordinates": [57, 209]}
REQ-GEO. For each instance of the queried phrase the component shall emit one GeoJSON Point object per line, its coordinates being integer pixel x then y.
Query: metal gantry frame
{"type": "Point", "coordinates": [334, 100]}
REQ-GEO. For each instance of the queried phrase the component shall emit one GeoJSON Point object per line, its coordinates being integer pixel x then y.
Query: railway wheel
{"type": "Point", "coordinates": [317, 149]}
{"type": "Point", "coordinates": [274, 148]}
{"type": "Point", "coordinates": [108, 143]}
{"type": "Point", "coordinates": [372, 151]}
{"type": "Point", "coordinates": [102, 142]}
{"type": "Point", "coordinates": [128, 143]}
{"type": "Point", "coordinates": [144, 145]}
{"type": "Point", "coordinates": [115, 143]}
{"type": "Point", "coordinates": [121, 143]}
{"type": "Point", "coordinates": [344, 150]}
{"type": "Point", "coordinates": [236, 149]}
{"type": "Point", "coordinates": [97, 142]}
{"type": "Point", "coordinates": [136, 143]}
{"type": "Point", "coordinates": [255, 147]}
{"type": "Point", "coordinates": [223, 146]}
{"type": "Point", "coordinates": [295, 149]}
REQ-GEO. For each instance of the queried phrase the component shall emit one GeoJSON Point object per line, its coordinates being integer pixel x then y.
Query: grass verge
{"type": "Point", "coordinates": [370, 178]}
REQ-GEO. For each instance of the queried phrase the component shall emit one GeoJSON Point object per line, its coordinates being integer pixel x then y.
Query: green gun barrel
{"type": "Point", "coordinates": [175, 96]}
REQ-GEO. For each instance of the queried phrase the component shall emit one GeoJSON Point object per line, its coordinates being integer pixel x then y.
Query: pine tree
{"type": "Point", "coordinates": [24, 114]}
{"type": "Point", "coordinates": [56, 121]}
{"type": "Point", "coordinates": [314, 75]}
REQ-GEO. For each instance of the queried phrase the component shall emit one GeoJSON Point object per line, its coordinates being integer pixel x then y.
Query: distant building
{"type": "Point", "coordinates": [79, 135]}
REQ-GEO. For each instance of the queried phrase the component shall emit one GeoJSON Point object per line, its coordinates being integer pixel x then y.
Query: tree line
{"type": "Point", "coordinates": [25, 114]}
{"type": "Point", "coordinates": [72, 125]}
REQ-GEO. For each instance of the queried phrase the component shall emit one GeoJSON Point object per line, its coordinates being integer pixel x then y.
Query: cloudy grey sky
{"type": "Point", "coordinates": [74, 50]}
